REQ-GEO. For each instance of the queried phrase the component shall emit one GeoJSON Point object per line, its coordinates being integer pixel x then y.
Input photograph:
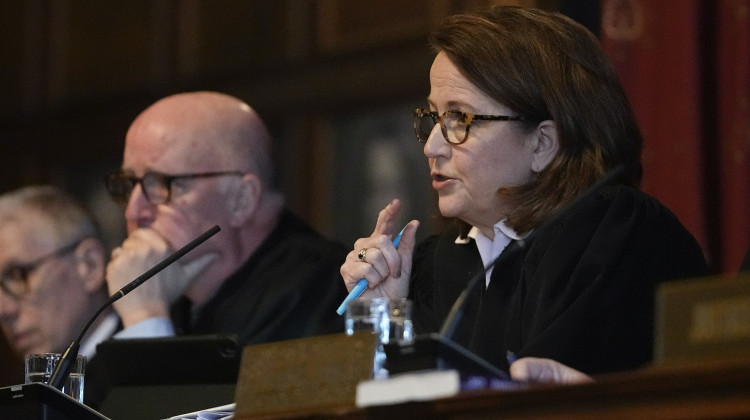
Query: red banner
{"type": "Point", "coordinates": [733, 136]}
{"type": "Point", "coordinates": [685, 70]}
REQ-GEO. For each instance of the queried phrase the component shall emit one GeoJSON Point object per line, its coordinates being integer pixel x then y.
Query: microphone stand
{"type": "Point", "coordinates": [64, 365]}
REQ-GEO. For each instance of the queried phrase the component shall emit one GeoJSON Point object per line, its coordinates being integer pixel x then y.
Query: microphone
{"type": "Point", "coordinates": [438, 350]}
{"type": "Point", "coordinates": [62, 370]}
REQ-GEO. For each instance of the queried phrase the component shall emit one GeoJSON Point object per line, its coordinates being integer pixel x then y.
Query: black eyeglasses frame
{"type": "Point", "coordinates": [121, 193]}
{"type": "Point", "coordinates": [19, 273]}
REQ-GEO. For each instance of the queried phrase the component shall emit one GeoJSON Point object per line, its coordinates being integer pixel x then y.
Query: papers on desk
{"type": "Point", "coordinates": [224, 412]}
{"type": "Point", "coordinates": [426, 385]}
{"type": "Point", "coordinates": [412, 386]}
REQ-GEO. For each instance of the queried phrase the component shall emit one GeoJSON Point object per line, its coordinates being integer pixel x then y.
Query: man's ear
{"type": "Point", "coordinates": [91, 264]}
{"type": "Point", "coordinates": [546, 145]}
{"type": "Point", "coordinates": [244, 203]}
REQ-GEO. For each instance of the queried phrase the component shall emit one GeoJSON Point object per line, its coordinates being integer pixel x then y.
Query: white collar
{"type": "Point", "coordinates": [490, 249]}
{"type": "Point", "coordinates": [106, 329]}
{"type": "Point", "coordinates": [500, 228]}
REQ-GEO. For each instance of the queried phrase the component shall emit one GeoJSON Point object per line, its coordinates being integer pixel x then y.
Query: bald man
{"type": "Point", "coordinates": [192, 161]}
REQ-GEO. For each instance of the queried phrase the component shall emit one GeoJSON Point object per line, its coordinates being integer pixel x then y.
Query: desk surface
{"type": "Point", "coordinates": [712, 390]}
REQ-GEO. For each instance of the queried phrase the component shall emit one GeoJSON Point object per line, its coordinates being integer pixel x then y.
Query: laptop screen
{"type": "Point", "coordinates": [161, 377]}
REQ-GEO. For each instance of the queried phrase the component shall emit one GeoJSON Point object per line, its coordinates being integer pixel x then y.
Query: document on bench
{"type": "Point", "coordinates": [223, 412]}
{"type": "Point", "coordinates": [427, 385]}
{"type": "Point", "coordinates": [411, 386]}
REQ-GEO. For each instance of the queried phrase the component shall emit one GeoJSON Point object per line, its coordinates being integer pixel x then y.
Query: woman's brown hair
{"type": "Point", "coordinates": [545, 66]}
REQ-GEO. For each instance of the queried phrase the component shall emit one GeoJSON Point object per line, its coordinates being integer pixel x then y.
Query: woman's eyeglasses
{"type": "Point", "coordinates": [454, 124]}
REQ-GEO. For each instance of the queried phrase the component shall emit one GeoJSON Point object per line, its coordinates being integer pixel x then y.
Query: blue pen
{"type": "Point", "coordinates": [361, 285]}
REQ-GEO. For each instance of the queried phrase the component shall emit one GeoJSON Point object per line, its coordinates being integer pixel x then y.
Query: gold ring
{"type": "Point", "coordinates": [362, 255]}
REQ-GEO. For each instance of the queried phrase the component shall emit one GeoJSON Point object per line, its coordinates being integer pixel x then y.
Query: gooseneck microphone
{"type": "Point", "coordinates": [456, 314]}
{"type": "Point", "coordinates": [62, 370]}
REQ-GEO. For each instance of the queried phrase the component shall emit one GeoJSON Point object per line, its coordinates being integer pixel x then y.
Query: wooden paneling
{"type": "Point", "coordinates": [345, 26]}
{"type": "Point", "coordinates": [231, 36]}
{"type": "Point", "coordinates": [99, 48]}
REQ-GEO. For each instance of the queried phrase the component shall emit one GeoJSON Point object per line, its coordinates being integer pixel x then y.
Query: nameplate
{"type": "Point", "coordinates": [703, 319]}
{"type": "Point", "coordinates": [316, 374]}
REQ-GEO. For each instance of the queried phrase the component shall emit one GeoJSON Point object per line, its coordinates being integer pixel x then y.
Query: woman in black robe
{"type": "Point", "coordinates": [531, 115]}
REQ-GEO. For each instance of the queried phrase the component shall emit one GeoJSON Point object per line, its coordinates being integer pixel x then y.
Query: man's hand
{"type": "Point", "coordinates": [142, 250]}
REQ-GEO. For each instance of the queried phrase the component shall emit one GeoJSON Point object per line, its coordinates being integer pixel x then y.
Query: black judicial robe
{"type": "Point", "coordinates": [580, 291]}
{"type": "Point", "coordinates": [289, 288]}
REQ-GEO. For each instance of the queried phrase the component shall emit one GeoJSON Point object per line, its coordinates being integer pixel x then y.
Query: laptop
{"type": "Point", "coordinates": [162, 377]}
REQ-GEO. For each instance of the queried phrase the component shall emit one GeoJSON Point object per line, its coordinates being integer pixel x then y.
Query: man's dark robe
{"type": "Point", "coordinates": [289, 288]}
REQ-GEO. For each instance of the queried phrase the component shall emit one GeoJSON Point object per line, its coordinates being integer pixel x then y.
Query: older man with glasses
{"type": "Point", "coordinates": [200, 159]}
{"type": "Point", "coordinates": [52, 265]}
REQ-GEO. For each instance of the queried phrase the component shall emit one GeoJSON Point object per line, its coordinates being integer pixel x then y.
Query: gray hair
{"type": "Point", "coordinates": [59, 216]}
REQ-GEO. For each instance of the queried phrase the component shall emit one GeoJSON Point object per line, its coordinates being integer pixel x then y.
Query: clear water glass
{"type": "Point", "coordinates": [389, 319]}
{"type": "Point", "coordinates": [39, 368]}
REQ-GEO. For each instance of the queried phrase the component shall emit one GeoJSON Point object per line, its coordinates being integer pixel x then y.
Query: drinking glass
{"type": "Point", "coordinates": [389, 319]}
{"type": "Point", "coordinates": [39, 368]}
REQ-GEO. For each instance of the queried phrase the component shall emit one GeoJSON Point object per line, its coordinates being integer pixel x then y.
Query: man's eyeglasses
{"type": "Point", "coordinates": [157, 187]}
{"type": "Point", "coordinates": [14, 279]}
{"type": "Point", "coordinates": [454, 124]}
